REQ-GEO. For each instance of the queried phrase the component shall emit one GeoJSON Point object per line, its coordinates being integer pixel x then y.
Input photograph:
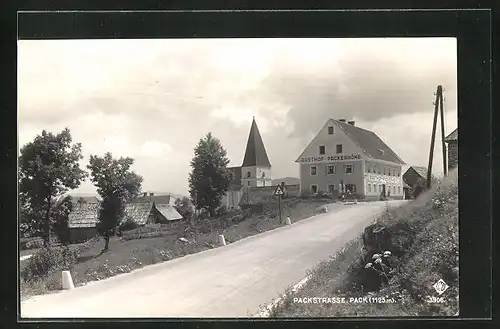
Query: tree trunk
{"type": "Point", "coordinates": [106, 241]}
{"type": "Point", "coordinates": [46, 237]}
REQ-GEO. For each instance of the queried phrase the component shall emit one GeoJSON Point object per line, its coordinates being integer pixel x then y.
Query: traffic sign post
{"type": "Point", "coordinates": [279, 192]}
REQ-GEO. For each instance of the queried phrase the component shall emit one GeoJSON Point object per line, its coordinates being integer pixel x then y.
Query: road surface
{"type": "Point", "coordinates": [230, 281]}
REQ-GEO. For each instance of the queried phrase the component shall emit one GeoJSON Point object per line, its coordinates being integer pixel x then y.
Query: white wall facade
{"type": "Point", "coordinates": [329, 172]}
{"type": "Point", "coordinates": [256, 176]}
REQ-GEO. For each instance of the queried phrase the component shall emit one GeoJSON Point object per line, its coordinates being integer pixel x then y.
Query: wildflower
{"type": "Point", "coordinates": [368, 265]}
{"type": "Point", "coordinates": [375, 256]}
{"type": "Point", "coordinates": [378, 260]}
{"type": "Point", "coordinates": [387, 253]}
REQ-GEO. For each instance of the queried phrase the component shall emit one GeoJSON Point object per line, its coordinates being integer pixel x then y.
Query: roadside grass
{"type": "Point", "coordinates": [126, 255]}
{"type": "Point", "coordinates": [423, 239]}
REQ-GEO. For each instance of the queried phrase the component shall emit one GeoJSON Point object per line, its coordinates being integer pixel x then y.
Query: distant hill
{"type": "Point", "coordinates": [287, 180]}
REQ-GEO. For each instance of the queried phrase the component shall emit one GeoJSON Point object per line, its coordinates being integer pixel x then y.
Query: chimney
{"type": "Point", "coordinates": [351, 123]}
{"type": "Point", "coordinates": [151, 194]}
{"type": "Point", "coordinates": [145, 194]}
{"type": "Point", "coordinates": [342, 120]}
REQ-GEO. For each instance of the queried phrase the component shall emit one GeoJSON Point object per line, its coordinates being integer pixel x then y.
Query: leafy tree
{"type": "Point", "coordinates": [60, 217]}
{"type": "Point", "coordinates": [209, 178]}
{"type": "Point", "coordinates": [184, 207]}
{"type": "Point", "coordinates": [116, 185]}
{"type": "Point", "coordinates": [48, 168]}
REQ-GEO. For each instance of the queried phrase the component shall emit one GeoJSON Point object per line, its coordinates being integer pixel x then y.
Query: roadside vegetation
{"type": "Point", "coordinates": [49, 168]}
{"type": "Point", "coordinates": [394, 264]}
{"type": "Point", "coordinates": [149, 245]}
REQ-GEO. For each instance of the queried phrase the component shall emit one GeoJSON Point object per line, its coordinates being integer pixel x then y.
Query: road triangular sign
{"type": "Point", "coordinates": [279, 190]}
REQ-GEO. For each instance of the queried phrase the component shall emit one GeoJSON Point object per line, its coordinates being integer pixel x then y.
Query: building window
{"type": "Point", "coordinates": [350, 187]}
{"type": "Point", "coordinates": [389, 171]}
{"type": "Point", "coordinates": [399, 189]}
{"type": "Point", "coordinates": [369, 187]}
{"type": "Point", "coordinates": [384, 172]}
{"type": "Point", "coordinates": [330, 130]}
{"type": "Point", "coordinates": [330, 169]}
{"type": "Point", "coordinates": [394, 190]}
{"type": "Point", "coordinates": [248, 183]}
{"type": "Point", "coordinates": [331, 189]}
{"type": "Point", "coordinates": [249, 174]}
{"type": "Point", "coordinates": [314, 170]}
{"type": "Point", "coordinates": [322, 149]}
{"type": "Point", "coordinates": [339, 148]}
{"type": "Point", "coordinates": [348, 168]}
{"type": "Point", "coordinates": [263, 175]}
{"type": "Point", "coordinates": [398, 173]}
{"type": "Point", "coordinates": [378, 170]}
{"type": "Point", "coordinates": [368, 168]}
{"type": "Point", "coordinates": [380, 188]}
{"type": "Point", "coordinates": [314, 189]}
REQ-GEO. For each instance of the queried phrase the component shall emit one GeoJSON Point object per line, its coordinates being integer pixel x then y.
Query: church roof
{"type": "Point", "coordinates": [255, 154]}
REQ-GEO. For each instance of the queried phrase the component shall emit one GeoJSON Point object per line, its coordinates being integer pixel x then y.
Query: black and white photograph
{"type": "Point", "coordinates": [238, 177]}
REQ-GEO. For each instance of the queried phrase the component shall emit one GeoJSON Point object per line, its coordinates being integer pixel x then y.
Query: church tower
{"type": "Point", "coordinates": [256, 168]}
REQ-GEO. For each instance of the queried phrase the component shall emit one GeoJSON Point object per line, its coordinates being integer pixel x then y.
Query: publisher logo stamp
{"type": "Point", "coordinates": [440, 286]}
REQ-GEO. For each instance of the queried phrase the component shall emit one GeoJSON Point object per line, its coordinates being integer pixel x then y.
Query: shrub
{"type": "Point", "coordinates": [47, 260]}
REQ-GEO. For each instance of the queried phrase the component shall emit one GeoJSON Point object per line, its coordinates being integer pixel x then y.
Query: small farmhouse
{"type": "Point", "coordinates": [148, 209]}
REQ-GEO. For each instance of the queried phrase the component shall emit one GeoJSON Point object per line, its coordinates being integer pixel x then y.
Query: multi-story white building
{"type": "Point", "coordinates": [344, 157]}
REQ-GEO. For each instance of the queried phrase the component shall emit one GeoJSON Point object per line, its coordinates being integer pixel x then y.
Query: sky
{"type": "Point", "coordinates": [153, 99]}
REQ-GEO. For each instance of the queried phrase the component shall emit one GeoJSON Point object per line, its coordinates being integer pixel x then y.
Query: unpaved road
{"type": "Point", "coordinates": [230, 281]}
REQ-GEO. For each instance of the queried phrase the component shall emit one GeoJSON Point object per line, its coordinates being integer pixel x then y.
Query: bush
{"type": "Point", "coordinates": [47, 260]}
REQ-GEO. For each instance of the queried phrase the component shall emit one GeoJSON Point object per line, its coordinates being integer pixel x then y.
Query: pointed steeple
{"type": "Point", "coordinates": [255, 154]}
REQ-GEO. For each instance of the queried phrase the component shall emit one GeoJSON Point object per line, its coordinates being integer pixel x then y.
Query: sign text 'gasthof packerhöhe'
{"type": "Point", "coordinates": [330, 158]}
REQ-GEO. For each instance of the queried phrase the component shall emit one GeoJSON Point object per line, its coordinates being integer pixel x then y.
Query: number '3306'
{"type": "Point", "coordinates": [432, 299]}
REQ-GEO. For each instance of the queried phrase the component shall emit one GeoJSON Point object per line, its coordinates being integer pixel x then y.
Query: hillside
{"type": "Point", "coordinates": [287, 180]}
{"type": "Point", "coordinates": [417, 245]}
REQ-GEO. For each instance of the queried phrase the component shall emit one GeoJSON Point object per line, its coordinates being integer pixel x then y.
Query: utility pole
{"type": "Point", "coordinates": [438, 107]}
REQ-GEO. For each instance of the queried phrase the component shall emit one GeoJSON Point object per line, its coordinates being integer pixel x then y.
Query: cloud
{"type": "Point", "coordinates": [155, 149]}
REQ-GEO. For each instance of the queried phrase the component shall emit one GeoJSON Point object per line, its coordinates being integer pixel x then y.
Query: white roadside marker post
{"type": "Point", "coordinates": [67, 281]}
{"type": "Point", "coordinates": [222, 240]}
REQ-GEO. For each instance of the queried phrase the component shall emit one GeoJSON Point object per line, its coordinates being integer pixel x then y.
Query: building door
{"type": "Point", "coordinates": [383, 190]}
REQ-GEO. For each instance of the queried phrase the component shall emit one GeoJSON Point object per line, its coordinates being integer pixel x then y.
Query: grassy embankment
{"type": "Point", "coordinates": [422, 237]}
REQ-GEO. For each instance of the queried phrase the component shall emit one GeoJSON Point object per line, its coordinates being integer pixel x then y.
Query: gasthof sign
{"type": "Point", "coordinates": [330, 158]}
{"type": "Point", "coordinates": [383, 179]}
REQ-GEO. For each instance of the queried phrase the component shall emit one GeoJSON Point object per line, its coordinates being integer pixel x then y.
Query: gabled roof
{"type": "Point", "coordinates": [157, 199]}
{"type": "Point", "coordinates": [87, 199]}
{"type": "Point", "coordinates": [422, 171]}
{"type": "Point", "coordinates": [452, 137]}
{"type": "Point", "coordinates": [255, 154]}
{"type": "Point", "coordinates": [373, 146]}
{"type": "Point", "coordinates": [168, 212]}
{"type": "Point", "coordinates": [87, 214]}
{"type": "Point", "coordinates": [137, 212]}
{"type": "Point", "coordinates": [84, 215]}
